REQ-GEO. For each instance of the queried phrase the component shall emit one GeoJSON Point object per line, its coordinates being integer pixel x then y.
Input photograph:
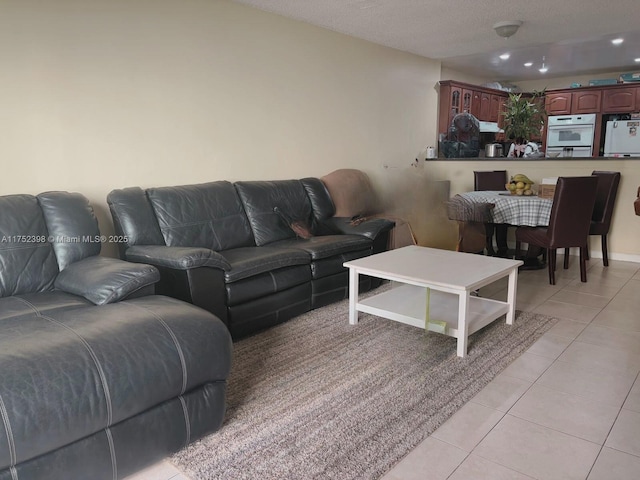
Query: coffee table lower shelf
{"type": "Point", "coordinates": [408, 304]}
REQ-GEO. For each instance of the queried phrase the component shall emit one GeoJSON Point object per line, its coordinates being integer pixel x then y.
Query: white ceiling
{"type": "Point", "coordinates": [573, 35]}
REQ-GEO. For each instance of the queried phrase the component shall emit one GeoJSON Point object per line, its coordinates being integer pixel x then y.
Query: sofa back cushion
{"type": "Point", "coordinates": [133, 218]}
{"type": "Point", "coordinates": [28, 263]}
{"type": "Point", "coordinates": [321, 202]}
{"type": "Point", "coordinates": [208, 215]}
{"type": "Point", "coordinates": [72, 225]}
{"type": "Point", "coordinates": [273, 206]}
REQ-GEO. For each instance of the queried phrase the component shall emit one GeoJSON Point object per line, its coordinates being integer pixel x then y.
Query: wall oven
{"type": "Point", "coordinates": [570, 135]}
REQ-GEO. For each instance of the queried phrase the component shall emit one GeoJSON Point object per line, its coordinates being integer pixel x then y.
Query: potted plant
{"type": "Point", "coordinates": [524, 116]}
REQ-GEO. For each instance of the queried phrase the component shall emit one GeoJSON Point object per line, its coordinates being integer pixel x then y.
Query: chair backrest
{"type": "Point", "coordinates": [490, 180]}
{"type": "Point", "coordinates": [571, 211]}
{"type": "Point", "coordinates": [605, 201]}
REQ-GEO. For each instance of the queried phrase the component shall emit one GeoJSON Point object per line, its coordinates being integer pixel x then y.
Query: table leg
{"type": "Point", "coordinates": [511, 296]}
{"type": "Point", "coordinates": [353, 296]}
{"type": "Point", "coordinates": [463, 314]}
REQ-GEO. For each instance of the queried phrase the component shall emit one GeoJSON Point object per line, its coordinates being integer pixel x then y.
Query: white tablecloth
{"type": "Point", "coordinates": [520, 210]}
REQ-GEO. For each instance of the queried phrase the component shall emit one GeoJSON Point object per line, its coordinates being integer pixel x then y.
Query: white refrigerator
{"type": "Point", "coordinates": [622, 138]}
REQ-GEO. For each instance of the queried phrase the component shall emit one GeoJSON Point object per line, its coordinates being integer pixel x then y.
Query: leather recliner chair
{"type": "Point", "coordinates": [98, 377]}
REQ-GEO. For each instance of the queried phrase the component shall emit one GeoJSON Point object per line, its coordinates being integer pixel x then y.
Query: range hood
{"type": "Point", "coordinates": [490, 127]}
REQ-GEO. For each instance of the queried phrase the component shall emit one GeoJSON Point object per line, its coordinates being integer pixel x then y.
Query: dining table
{"type": "Point", "coordinates": [516, 210]}
{"type": "Point", "coordinates": [508, 209]}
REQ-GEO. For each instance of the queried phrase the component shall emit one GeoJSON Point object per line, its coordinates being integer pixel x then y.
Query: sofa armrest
{"type": "Point", "coordinates": [368, 227]}
{"type": "Point", "coordinates": [103, 280]}
{"type": "Point", "coordinates": [179, 258]}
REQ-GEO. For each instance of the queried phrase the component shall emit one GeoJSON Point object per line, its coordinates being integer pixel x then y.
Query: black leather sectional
{"type": "Point", "coordinates": [254, 253]}
{"type": "Point", "coordinates": [97, 376]}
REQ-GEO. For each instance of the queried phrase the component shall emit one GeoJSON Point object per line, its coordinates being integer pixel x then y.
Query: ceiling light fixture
{"type": "Point", "coordinates": [528, 64]}
{"type": "Point", "coordinates": [637, 60]}
{"type": "Point", "coordinates": [617, 41]}
{"type": "Point", "coordinates": [505, 56]}
{"type": "Point", "coordinates": [543, 69]}
{"type": "Point", "coordinates": [507, 28]}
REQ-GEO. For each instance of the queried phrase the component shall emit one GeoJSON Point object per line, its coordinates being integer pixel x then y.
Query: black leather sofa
{"type": "Point", "coordinates": [254, 253]}
{"type": "Point", "coordinates": [98, 378]}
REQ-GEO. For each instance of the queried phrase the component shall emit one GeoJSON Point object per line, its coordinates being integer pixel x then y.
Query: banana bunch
{"type": "Point", "coordinates": [520, 185]}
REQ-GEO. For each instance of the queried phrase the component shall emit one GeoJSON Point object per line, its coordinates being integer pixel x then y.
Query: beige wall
{"type": "Point", "coordinates": [102, 94]}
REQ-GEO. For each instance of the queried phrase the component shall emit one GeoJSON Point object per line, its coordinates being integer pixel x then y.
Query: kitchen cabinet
{"type": "Point", "coordinates": [558, 103]}
{"type": "Point", "coordinates": [495, 107]}
{"type": "Point", "coordinates": [475, 104]}
{"type": "Point", "coordinates": [620, 100]}
{"type": "Point", "coordinates": [567, 103]}
{"type": "Point", "coordinates": [586, 102]}
{"type": "Point", "coordinates": [457, 97]}
{"type": "Point", "coordinates": [485, 106]}
{"type": "Point", "coordinates": [467, 100]}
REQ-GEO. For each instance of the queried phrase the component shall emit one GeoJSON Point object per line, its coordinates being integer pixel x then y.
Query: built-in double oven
{"type": "Point", "coordinates": [570, 135]}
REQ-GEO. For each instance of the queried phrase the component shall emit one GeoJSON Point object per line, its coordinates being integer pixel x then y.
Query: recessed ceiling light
{"type": "Point", "coordinates": [505, 56]}
{"type": "Point", "coordinates": [528, 64]}
{"type": "Point", "coordinates": [637, 60]}
{"type": "Point", "coordinates": [617, 41]}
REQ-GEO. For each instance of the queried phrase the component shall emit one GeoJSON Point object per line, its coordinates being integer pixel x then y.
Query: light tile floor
{"type": "Point", "coordinates": [568, 408]}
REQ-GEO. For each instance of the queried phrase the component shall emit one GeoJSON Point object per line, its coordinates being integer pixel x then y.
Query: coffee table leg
{"type": "Point", "coordinates": [511, 296]}
{"type": "Point", "coordinates": [463, 314]}
{"type": "Point", "coordinates": [353, 296]}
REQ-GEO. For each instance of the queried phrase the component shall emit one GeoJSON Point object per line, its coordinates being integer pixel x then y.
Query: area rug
{"type": "Point", "coordinates": [317, 398]}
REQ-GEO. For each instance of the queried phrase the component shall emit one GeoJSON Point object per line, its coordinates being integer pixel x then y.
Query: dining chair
{"type": "Point", "coordinates": [492, 180]}
{"type": "Point", "coordinates": [602, 211]}
{"type": "Point", "coordinates": [569, 222]}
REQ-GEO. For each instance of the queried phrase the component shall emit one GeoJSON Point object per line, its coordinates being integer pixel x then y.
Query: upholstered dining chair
{"type": "Point", "coordinates": [602, 211]}
{"type": "Point", "coordinates": [569, 222]}
{"type": "Point", "coordinates": [492, 180]}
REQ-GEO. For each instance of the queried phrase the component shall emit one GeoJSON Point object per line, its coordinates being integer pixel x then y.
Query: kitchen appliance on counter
{"type": "Point", "coordinates": [622, 138]}
{"type": "Point", "coordinates": [570, 133]}
{"type": "Point", "coordinates": [493, 150]}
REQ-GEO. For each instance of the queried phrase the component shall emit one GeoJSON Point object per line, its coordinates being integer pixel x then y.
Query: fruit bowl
{"type": "Point", "coordinates": [520, 185]}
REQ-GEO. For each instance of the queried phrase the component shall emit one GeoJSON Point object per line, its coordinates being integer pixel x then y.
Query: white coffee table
{"type": "Point", "coordinates": [435, 286]}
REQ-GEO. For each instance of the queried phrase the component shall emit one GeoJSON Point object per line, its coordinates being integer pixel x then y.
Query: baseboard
{"type": "Point", "coordinates": [623, 257]}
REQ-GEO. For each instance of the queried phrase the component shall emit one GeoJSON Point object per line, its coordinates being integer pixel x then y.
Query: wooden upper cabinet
{"type": "Point", "coordinates": [558, 103]}
{"type": "Point", "coordinates": [475, 104]}
{"type": "Point", "coordinates": [496, 107]}
{"type": "Point", "coordinates": [467, 100]}
{"type": "Point", "coordinates": [619, 100]}
{"type": "Point", "coordinates": [586, 102]}
{"type": "Point", "coordinates": [485, 106]}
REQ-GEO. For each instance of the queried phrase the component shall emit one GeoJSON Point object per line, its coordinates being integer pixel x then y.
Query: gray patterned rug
{"type": "Point", "coordinates": [316, 398]}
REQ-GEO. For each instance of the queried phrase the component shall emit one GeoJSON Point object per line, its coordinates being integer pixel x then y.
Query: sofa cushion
{"type": "Point", "coordinates": [42, 302]}
{"type": "Point", "coordinates": [208, 215]}
{"type": "Point", "coordinates": [71, 373]}
{"type": "Point", "coordinates": [265, 284]}
{"type": "Point", "coordinates": [133, 218]}
{"type": "Point", "coordinates": [28, 263]}
{"type": "Point", "coordinates": [250, 261]}
{"type": "Point", "coordinates": [105, 280]}
{"type": "Point", "coordinates": [327, 246]}
{"type": "Point", "coordinates": [268, 205]}
{"type": "Point", "coordinates": [321, 202]}
{"type": "Point", "coordinates": [72, 226]}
